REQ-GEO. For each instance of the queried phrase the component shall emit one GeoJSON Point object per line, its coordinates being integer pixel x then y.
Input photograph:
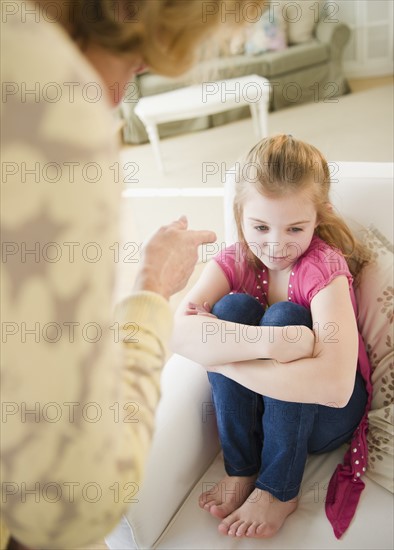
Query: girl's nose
{"type": "Point", "coordinates": [273, 248]}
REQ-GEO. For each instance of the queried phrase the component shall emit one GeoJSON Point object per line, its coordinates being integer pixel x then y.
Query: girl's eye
{"type": "Point", "coordinates": [261, 228]}
{"type": "Point", "coordinates": [295, 229]}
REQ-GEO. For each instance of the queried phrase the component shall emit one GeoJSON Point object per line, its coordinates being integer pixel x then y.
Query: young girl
{"type": "Point", "coordinates": [281, 391]}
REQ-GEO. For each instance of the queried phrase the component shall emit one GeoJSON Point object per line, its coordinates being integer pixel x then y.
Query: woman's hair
{"type": "Point", "coordinates": [280, 165]}
{"type": "Point", "coordinates": [170, 35]}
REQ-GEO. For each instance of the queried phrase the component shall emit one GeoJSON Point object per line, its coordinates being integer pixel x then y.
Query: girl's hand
{"type": "Point", "coordinates": [198, 309]}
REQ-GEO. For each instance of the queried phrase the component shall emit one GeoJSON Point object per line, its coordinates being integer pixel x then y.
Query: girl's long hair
{"type": "Point", "coordinates": [279, 165]}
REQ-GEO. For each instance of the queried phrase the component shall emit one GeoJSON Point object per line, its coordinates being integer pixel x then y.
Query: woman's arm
{"type": "Point", "coordinates": [210, 341]}
{"type": "Point", "coordinates": [328, 377]}
{"type": "Point", "coordinates": [80, 390]}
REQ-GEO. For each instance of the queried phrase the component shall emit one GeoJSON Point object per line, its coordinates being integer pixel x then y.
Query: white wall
{"type": "Point", "coordinates": [370, 50]}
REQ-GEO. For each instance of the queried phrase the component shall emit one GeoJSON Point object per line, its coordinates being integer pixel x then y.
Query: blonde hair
{"type": "Point", "coordinates": [280, 165]}
{"type": "Point", "coordinates": [170, 35]}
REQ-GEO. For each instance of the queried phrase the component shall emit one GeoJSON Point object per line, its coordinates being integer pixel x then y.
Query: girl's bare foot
{"type": "Point", "coordinates": [227, 495]}
{"type": "Point", "coordinates": [260, 516]}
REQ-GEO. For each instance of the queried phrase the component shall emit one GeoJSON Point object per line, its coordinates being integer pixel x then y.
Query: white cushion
{"type": "Point", "coordinates": [307, 527]}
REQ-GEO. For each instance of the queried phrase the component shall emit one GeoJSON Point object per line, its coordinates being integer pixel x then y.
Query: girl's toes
{"type": "Point", "coordinates": [251, 531]}
{"type": "Point", "coordinates": [206, 504]}
{"type": "Point", "coordinates": [264, 530]}
{"type": "Point", "coordinates": [204, 499]}
{"type": "Point", "coordinates": [233, 529]}
{"type": "Point", "coordinates": [219, 510]}
{"type": "Point", "coordinates": [242, 529]}
{"type": "Point", "coordinates": [223, 528]}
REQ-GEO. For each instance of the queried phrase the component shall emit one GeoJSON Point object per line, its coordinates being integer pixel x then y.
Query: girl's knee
{"type": "Point", "coordinates": [239, 308]}
{"type": "Point", "coordinates": [287, 313]}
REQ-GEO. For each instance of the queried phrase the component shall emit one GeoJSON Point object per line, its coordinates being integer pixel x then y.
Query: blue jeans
{"type": "Point", "coordinates": [268, 437]}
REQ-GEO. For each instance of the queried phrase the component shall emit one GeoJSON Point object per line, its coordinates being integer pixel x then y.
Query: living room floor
{"type": "Point", "coordinates": [358, 127]}
{"type": "Point", "coordinates": [352, 127]}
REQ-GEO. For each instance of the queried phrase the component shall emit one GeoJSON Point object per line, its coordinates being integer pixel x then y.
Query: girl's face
{"type": "Point", "coordinates": [278, 230]}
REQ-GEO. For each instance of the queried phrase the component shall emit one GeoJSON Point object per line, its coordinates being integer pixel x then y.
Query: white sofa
{"type": "Point", "coordinates": [185, 456]}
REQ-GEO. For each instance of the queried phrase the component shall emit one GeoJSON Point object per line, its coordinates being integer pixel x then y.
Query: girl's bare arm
{"type": "Point", "coordinates": [210, 341]}
{"type": "Point", "coordinates": [328, 377]}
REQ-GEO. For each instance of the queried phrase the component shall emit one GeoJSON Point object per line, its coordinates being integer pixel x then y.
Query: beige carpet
{"type": "Point", "coordinates": [354, 127]}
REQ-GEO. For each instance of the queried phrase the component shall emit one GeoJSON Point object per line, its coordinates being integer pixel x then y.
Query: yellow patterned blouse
{"type": "Point", "coordinates": [79, 382]}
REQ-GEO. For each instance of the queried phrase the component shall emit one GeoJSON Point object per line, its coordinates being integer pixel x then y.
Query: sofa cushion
{"type": "Point", "coordinates": [268, 64]}
{"type": "Point", "coordinates": [380, 439]}
{"type": "Point", "coordinates": [307, 527]}
{"type": "Point", "coordinates": [301, 19]}
{"type": "Point", "coordinates": [295, 58]}
{"type": "Point", "coordinates": [375, 319]}
{"type": "Point", "coordinates": [375, 302]}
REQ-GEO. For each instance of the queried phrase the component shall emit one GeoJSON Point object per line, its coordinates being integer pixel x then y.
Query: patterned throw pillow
{"type": "Point", "coordinates": [380, 435]}
{"type": "Point", "coordinates": [375, 296]}
{"type": "Point", "coordinates": [268, 34]}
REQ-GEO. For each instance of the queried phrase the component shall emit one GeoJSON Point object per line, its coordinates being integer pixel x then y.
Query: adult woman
{"type": "Point", "coordinates": [78, 419]}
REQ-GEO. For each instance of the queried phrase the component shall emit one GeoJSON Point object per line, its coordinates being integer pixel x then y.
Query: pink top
{"type": "Point", "coordinates": [314, 270]}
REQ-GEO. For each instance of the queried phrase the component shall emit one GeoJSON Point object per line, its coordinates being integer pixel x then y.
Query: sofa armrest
{"type": "Point", "coordinates": [335, 35]}
{"type": "Point", "coordinates": [185, 443]}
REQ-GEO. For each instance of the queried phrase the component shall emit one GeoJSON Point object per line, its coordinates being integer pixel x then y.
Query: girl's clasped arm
{"type": "Point", "coordinates": [211, 341]}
